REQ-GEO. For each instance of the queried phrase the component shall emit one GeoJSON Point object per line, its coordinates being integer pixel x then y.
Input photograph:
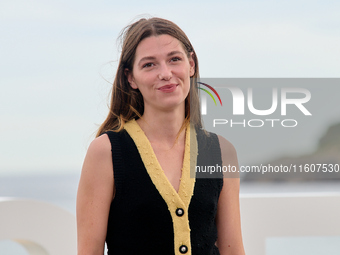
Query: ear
{"type": "Point", "coordinates": [130, 78]}
{"type": "Point", "coordinates": [192, 64]}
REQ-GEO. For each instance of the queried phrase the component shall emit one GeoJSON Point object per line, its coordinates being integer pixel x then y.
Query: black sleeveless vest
{"type": "Point", "coordinates": [139, 220]}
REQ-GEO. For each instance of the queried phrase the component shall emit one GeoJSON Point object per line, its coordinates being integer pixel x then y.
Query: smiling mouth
{"type": "Point", "coordinates": [168, 88]}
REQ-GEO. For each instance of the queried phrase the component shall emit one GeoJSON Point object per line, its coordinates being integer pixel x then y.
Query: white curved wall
{"type": "Point", "coordinates": [42, 228]}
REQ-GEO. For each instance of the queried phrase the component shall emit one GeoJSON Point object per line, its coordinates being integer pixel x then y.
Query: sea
{"type": "Point", "coordinates": [61, 190]}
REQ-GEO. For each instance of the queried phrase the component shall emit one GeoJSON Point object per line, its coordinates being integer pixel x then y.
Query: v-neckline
{"type": "Point", "coordinates": [177, 203]}
{"type": "Point", "coordinates": [154, 169]}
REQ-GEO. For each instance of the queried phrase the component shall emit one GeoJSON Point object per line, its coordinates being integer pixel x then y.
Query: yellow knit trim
{"type": "Point", "coordinates": [173, 199]}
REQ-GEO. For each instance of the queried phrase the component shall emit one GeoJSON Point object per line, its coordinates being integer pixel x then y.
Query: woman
{"type": "Point", "coordinates": [135, 190]}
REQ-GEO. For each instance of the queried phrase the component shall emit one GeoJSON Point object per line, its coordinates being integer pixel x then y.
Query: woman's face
{"type": "Point", "coordinates": [161, 72]}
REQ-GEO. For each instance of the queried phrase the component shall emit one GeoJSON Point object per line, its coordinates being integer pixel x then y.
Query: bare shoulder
{"type": "Point", "coordinates": [98, 159]}
{"type": "Point", "coordinates": [100, 146]}
{"type": "Point", "coordinates": [96, 180]}
{"type": "Point", "coordinates": [226, 146]}
{"type": "Point", "coordinates": [229, 157]}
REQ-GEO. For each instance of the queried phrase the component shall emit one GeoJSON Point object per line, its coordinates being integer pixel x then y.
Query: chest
{"type": "Point", "coordinates": [171, 162]}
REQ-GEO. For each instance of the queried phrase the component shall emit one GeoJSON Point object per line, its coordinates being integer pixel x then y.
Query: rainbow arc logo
{"type": "Point", "coordinates": [204, 100]}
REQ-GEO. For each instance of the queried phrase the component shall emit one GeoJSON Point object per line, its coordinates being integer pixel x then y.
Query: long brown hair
{"type": "Point", "coordinates": [127, 103]}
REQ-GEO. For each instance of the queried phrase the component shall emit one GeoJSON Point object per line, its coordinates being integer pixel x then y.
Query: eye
{"type": "Point", "coordinates": [147, 65]}
{"type": "Point", "coordinates": [175, 59]}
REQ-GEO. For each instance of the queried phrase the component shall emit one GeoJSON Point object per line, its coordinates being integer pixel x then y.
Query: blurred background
{"type": "Point", "coordinates": [58, 60]}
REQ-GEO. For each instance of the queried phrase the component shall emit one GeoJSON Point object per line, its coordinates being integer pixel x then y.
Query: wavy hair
{"type": "Point", "coordinates": [126, 102]}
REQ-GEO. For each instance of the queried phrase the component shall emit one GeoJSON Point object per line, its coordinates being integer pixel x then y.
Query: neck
{"type": "Point", "coordinates": [163, 127]}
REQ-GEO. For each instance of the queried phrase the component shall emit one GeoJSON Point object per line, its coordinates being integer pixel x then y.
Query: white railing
{"type": "Point", "coordinates": [45, 229]}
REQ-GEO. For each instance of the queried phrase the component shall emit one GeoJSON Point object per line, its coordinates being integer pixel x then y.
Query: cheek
{"type": "Point", "coordinates": [146, 78]}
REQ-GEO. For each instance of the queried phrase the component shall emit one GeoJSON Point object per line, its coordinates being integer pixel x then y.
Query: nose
{"type": "Point", "coordinates": [165, 72]}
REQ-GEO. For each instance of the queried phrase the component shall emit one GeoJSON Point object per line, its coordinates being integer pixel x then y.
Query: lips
{"type": "Point", "coordinates": [168, 88]}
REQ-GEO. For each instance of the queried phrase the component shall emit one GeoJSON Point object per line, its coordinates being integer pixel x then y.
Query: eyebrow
{"type": "Point", "coordinates": [153, 58]}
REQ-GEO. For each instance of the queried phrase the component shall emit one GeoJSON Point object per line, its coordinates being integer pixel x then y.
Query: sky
{"type": "Point", "coordinates": [58, 60]}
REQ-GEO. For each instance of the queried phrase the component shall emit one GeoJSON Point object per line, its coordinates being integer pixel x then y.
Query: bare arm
{"type": "Point", "coordinates": [95, 194]}
{"type": "Point", "coordinates": [228, 221]}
